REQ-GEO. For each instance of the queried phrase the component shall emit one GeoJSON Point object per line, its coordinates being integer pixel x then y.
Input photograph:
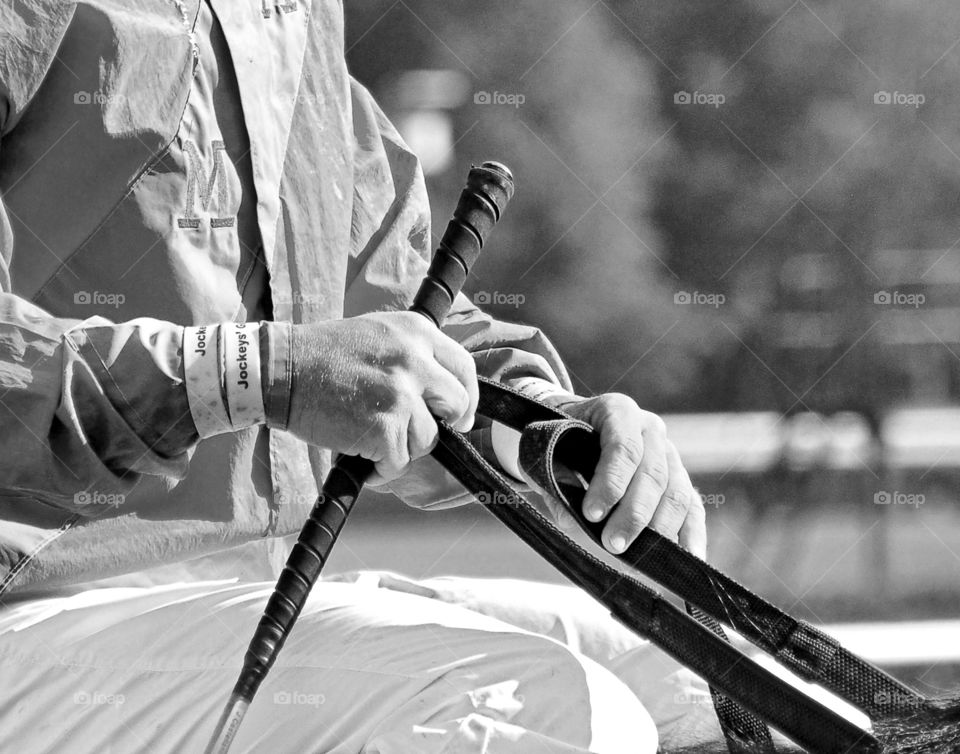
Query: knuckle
{"type": "Point", "coordinates": [618, 401]}
{"type": "Point", "coordinates": [467, 362]}
{"type": "Point", "coordinates": [399, 392]}
{"type": "Point", "coordinates": [422, 444]}
{"type": "Point", "coordinates": [630, 447]}
{"type": "Point", "coordinates": [657, 473]}
{"type": "Point", "coordinates": [653, 423]}
{"type": "Point", "coordinates": [636, 519]}
{"type": "Point", "coordinates": [677, 498]}
{"type": "Point", "coordinates": [612, 486]}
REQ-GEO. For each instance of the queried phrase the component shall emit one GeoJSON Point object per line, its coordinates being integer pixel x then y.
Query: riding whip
{"type": "Point", "coordinates": [488, 190]}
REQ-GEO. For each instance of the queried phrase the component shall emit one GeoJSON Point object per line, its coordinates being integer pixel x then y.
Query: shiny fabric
{"type": "Point", "coordinates": [169, 163]}
{"type": "Point", "coordinates": [443, 665]}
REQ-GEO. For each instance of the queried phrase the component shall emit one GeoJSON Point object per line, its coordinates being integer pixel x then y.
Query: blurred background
{"type": "Point", "coordinates": [746, 215]}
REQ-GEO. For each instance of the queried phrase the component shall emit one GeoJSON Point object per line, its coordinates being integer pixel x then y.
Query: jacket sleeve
{"type": "Point", "coordinates": [85, 403]}
{"type": "Point", "coordinates": [391, 249]}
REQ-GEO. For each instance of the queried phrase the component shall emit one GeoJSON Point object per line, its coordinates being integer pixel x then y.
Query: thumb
{"type": "Point", "coordinates": [555, 510]}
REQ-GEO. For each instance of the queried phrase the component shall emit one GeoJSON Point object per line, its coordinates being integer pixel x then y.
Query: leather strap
{"type": "Point", "coordinates": [799, 646]}
{"type": "Point", "coordinates": [728, 670]}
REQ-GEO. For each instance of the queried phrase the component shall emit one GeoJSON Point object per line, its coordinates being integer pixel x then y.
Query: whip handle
{"type": "Point", "coordinates": [488, 190]}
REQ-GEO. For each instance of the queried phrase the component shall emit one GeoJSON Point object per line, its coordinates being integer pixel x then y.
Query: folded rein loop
{"type": "Point", "coordinates": [551, 437]}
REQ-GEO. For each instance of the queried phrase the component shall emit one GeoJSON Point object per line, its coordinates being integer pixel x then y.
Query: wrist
{"type": "Point", "coordinates": [545, 391]}
{"type": "Point", "coordinates": [276, 363]}
{"type": "Point", "coordinates": [237, 375]}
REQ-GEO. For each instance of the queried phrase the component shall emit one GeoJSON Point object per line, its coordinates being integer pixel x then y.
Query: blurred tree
{"type": "Point", "coordinates": [627, 197]}
{"type": "Point", "coordinates": [577, 243]}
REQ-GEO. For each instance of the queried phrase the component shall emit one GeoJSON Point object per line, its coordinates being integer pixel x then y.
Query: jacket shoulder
{"type": "Point", "coordinates": [30, 35]}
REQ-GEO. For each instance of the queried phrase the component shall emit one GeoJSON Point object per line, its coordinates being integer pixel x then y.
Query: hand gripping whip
{"type": "Point", "coordinates": [489, 188]}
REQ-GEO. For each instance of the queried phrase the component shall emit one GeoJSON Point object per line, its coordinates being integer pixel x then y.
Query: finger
{"type": "Point", "coordinates": [676, 501]}
{"type": "Point", "coordinates": [422, 433]}
{"type": "Point", "coordinates": [639, 503]}
{"type": "Point", "coordinates": [561, 516]}
{"type": "Point", "coordinates": [447, 398]}
{"type": "Point", "coordinates": [457, 361]}
{"type": "Point", "coordinates": [394, 456]}
{"type": "Point", "coordinates": [557, 510]}
{"type": "Point", "coordinates": [693, 533]}
{"type": "Point", "coordinates": [619, 460]}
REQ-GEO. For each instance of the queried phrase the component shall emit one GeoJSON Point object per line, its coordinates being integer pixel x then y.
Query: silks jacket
{"type": "Point", "coordinates": [167, 163]}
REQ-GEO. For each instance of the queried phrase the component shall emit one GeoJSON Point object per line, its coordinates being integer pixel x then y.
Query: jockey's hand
{"type": "Point", "coordinates": [639, 480]}
{"type": "Point", "coordinates": [367, 386]}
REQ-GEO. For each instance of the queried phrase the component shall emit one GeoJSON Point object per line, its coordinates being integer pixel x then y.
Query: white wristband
{"type": "Point", "coordinates": [201, 368]}
{"type": "Point", "coordinates": [542, 390]}
{"type": "Point", "coordinates": [241, 375]}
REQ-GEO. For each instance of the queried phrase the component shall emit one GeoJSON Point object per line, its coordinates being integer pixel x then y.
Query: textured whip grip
{"type": "Point", "coordinates": [489, 188]}
{"type": "Point", "coordinates": [304, 564]}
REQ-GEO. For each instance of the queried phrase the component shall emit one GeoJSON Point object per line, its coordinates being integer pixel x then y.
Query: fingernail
{"type": "Point", "coordinates": [595, 514]}
{"type": "Point", "coordinates": [618, 543]}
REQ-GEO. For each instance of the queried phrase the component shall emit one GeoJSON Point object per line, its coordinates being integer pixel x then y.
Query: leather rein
{"type": "Point", "coordinates": [746, 696]}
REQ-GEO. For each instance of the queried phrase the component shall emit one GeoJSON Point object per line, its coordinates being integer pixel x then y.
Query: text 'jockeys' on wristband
{"type": "Point", "coordinates": [222, 370]}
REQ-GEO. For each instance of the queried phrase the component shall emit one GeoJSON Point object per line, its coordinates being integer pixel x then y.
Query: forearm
{"type": "Point", "coordinates": [95, 403]}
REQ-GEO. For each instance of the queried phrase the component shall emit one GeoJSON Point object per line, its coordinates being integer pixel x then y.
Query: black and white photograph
{"type": "Point", "coordinates": [408, 377]}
